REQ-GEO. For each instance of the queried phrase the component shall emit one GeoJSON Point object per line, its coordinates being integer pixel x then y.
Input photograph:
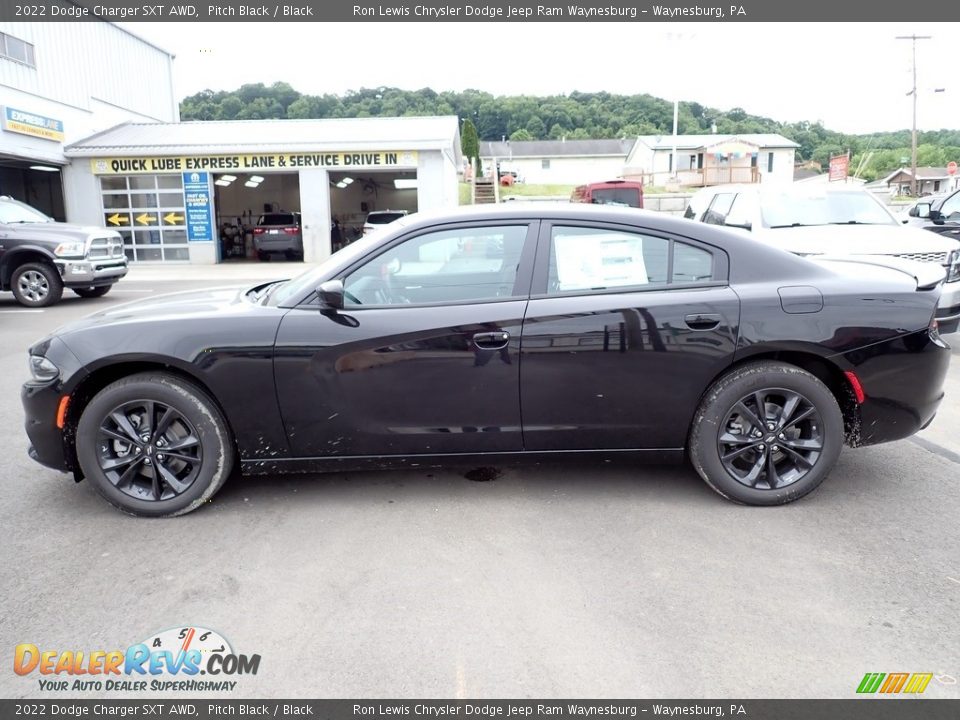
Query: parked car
{"type": "Point", "coordinates": [378, 218]}
{"type": "Point", "coordinates": [279, 233]}
{"type": "Point", "coordinates": [490, 333]}
{"type": "Point", "coordinates": [39, 257]}
{"type": "Point", "coordinates": [937, 213]}
{"type": "Point", "coordinates": [610, 192]}
{"type": "Point", "coordinates": [841, 221]}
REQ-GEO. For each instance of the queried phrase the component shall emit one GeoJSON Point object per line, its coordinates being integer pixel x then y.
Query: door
{"type": "Point", "coordinates": [624, 331]}
{"type": "Point", "coordinates": [424, 356]}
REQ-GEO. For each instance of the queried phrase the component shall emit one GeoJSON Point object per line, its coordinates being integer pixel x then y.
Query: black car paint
{"type": "Point", "coordinates": [305, 388]}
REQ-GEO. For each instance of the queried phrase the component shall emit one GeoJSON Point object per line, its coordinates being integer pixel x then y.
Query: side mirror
{"type": "Point", "coordinates": [331, 295]}
{"type": "Point", "coordinates": [921, 210]}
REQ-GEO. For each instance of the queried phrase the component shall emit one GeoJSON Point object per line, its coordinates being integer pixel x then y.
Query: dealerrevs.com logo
{"type": "Point", "coordinates": [171, 660]}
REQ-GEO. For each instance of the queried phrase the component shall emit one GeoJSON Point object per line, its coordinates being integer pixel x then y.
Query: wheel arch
{"type": "Point", "coordinates": [822, 368]}
{"type": "Point", "coordinates": [99, 378]}
{"type": "Point", "coordinates": [15, 257]}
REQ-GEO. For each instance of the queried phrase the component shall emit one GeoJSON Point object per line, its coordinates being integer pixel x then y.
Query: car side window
{"type": "Point", "coordinates": [717, 212]}
{"type": "Point", "coordinates": [950, 210]}
{"type": "Point", "coordinates": [742, 211]}
{"type": "Point", "coordinates": [583, 258]}
{"type": "Point", "coordinates": [445, 266]}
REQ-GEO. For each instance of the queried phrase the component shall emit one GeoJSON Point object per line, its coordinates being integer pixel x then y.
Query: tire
{"type": "Point", "coordinates": [732, 459]}
{"type": "Point", "coordinates": [263, 256]}
{"type": "Point", "coordinates": [143, 481]}
{"type": "Point", "coordinates": [93, 292]}
{"type": "Point", "coordinates": [36, 285]}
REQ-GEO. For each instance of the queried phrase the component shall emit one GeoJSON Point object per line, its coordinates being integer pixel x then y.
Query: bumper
{"type": "Point", "coordinates": [278, 243]}
{"type": "Point", "coordinates": [40, 404]}
{"type": "Point", "coordinates": [948, 309]}
{"type": "Point", "coordinates": [87, 273]}
{"type": "Point", "coordinates": [903, 383]}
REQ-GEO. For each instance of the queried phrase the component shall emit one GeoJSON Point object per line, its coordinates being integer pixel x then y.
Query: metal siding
{"type": "Point", "coordinates": [79, 61]}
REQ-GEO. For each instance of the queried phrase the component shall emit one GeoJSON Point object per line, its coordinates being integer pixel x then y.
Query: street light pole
{"type": "Point", "coordinates": [913, 136]}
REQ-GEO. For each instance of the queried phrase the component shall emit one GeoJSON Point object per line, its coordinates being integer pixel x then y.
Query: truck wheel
{"type": "Point", "coordinates": [93, 292]}
{"type": "Point", "coordinates": [36, 285]}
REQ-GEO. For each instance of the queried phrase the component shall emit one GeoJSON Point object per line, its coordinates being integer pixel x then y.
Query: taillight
{"type": "Point", "coordinates": [855, 385]}
{"type": "Point", "coordinates": [291, 231]}
{"type": "Point", "coordinates": [258, 231]}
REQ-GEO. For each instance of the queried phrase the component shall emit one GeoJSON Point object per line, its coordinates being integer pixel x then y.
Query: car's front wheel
{"type": "Point", "coordinates": [154, 445]}
{"type": "Point", "coordinates": [93, 292]}
{"type": "Point", "coordinates": [766, 433]}
{"type": "Point", "coordinates": [36, 285]}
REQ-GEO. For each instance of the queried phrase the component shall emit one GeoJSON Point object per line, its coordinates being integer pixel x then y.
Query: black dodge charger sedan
{"type": "Point", "coordinates": [486, 335]}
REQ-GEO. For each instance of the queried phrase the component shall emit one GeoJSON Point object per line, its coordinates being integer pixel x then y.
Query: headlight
{"type": "Point", "coordinates": [953, 266]}
{"type": "Point", "coordinates": [71, 249]}
{"type": "Point", "coordinates": [42, 369]}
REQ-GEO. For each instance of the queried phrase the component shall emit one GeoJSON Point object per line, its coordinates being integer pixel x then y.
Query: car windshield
{"type": "Point", "coordinates": [345, 256]}
{"type": "Point", "coordinates": [793, 209]}
{"type": "Point", "coordinates": [277, 219]}
{"type": "Point", "coordinates": [616, 196]}
{"type": "Point", "coordinates": [12, 211]}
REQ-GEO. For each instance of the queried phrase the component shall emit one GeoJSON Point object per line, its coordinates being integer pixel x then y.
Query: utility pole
{"type": "Point", "coordinates": [913, 137]}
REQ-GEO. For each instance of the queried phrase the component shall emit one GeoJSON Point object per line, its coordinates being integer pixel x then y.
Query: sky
{"type": "Point", "coordinates": [852, 77]}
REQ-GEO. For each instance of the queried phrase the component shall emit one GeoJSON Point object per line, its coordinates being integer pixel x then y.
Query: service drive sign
{"type": "Point", "coordinates": [839, 164]}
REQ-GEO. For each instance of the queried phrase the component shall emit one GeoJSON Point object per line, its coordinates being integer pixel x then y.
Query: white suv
{"type": "Point", "coordinates": [378, 218]}
{"type": "Point", "coordinates": [830, 221]}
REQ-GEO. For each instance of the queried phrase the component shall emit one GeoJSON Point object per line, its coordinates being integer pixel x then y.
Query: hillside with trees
{"type": "Point", "coordinates": [575, 116]}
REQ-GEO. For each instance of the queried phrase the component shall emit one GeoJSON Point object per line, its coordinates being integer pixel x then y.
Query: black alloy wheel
{"type": "Point", "coordinates": [771, 438]}
{"type": "Point", "coordinates": [766, 433]}
{"type": "Point", "coordinates": [154, 444]}
{"type": "Point", "coordinates": [148, 450]}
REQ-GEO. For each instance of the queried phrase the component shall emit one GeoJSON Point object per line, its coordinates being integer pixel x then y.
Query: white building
{"type": "Point", "coordinates": [177, 191]}
{"type": "Point", "coordinates": [60, 82]}
{"type": "Point", "coordinates": [566, 162]}
{"type": "Point", "coordinates": [712, 159]}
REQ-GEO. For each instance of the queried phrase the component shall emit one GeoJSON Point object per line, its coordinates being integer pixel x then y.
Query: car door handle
{"type": "Point", "coordinates": [702, 321]}
{"type": "Point", "coordinates": [492, 340]}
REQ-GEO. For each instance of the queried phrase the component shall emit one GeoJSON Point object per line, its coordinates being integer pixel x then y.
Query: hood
{"type": "Point", "coordinates": [858, 240]}
{"type": "Point", "coordinates": [190, 304]}
{"type": "Point", "coordinates": [926, 275]}
{"type": "Point", "coordinates": [56, 232]}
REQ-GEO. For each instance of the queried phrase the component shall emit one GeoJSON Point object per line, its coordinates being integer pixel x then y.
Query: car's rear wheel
{"type": "Point", "coordinates": [766, 433]}
{"type": "Point", "coordinates": [154, 445]}
{"type": "Point", "coordinates": [36, 285]}
{"type": "Point", "coordinates": [263, 256]}
{"type": "Point", "coordinates": [93, 292]}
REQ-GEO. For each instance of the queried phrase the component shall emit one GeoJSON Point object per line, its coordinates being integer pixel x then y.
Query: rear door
{"type": "Point", "coordinates": [624, 330]}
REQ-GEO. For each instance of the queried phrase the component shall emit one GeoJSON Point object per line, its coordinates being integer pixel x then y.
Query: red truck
{"type": "Point", "coordinates": [610, 192]}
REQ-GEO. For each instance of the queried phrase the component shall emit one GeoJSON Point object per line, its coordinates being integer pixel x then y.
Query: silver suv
{"type": "Point", "coordinates": [808, 220]}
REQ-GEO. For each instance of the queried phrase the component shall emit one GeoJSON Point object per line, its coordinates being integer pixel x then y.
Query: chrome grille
{"type": "Point", "coordinates": [937, 257]}
{"type": "Point", "coordinates": [106, 248]}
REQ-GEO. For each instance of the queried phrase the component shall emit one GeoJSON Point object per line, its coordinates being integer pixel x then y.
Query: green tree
{"type": "Point", "coordinates": [521, 135]}
{"type": "Point", "coordinates": [470, 143]}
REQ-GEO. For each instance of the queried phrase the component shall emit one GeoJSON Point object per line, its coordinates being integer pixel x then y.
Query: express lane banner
{"type": "Point", "coordinates": [261, 162]}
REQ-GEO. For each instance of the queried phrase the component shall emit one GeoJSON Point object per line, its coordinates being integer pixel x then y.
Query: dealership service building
{"type": "Point", "coordinates": [95, 139]}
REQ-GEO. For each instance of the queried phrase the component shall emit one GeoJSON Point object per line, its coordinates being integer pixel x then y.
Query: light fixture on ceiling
{"type": "Point", "coordinates": [228, 178]}
{"type": "Point", "coordinates": [341, 184]}
{"type": "Point", "coordinates": [45, 168]}
{"type": "Point", "coordinates": [251, 184]}
{"type": "Point", "coordinates": [222, 183]}
{"type": "Point", "coordinates": [347, 180]}
{"type": "Point", "coordinates": [256, 179]}
{"type": "Point", "coordinates": [405, 183]}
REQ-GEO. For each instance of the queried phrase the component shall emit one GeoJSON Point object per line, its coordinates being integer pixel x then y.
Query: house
{"type": "Point", "coordinates": [565, 162]}
{"type": "Point", "coordinates": [930, 180]}
{"type": "Point", "coordinates": [712, 159]}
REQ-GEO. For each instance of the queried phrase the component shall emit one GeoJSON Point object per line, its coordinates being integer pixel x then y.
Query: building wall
{"type": "Point", "coordinates": [89, 75]}
{"type": "Point", "coordinates": [562, 170]}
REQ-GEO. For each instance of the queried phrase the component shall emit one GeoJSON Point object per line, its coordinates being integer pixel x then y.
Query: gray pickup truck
{"type": "Point", "coordinates": [39, 257]}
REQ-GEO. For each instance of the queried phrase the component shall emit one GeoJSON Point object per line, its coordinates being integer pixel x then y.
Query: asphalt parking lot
{"type": "Point", "coordinates": [559, 580]}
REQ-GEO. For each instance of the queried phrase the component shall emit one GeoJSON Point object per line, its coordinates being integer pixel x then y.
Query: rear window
{"type": "Point", "coordinates": [383, 218]}
{"type": "Point", "coordinates": [278, 219]}
{"type": "Point", "coordinates": [616, 196]}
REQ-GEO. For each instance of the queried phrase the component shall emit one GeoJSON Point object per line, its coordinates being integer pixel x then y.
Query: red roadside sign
{"type": "Point", "coordinates": [839, 165]}
{"type": "Point", "coordinates": [951, 168]}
